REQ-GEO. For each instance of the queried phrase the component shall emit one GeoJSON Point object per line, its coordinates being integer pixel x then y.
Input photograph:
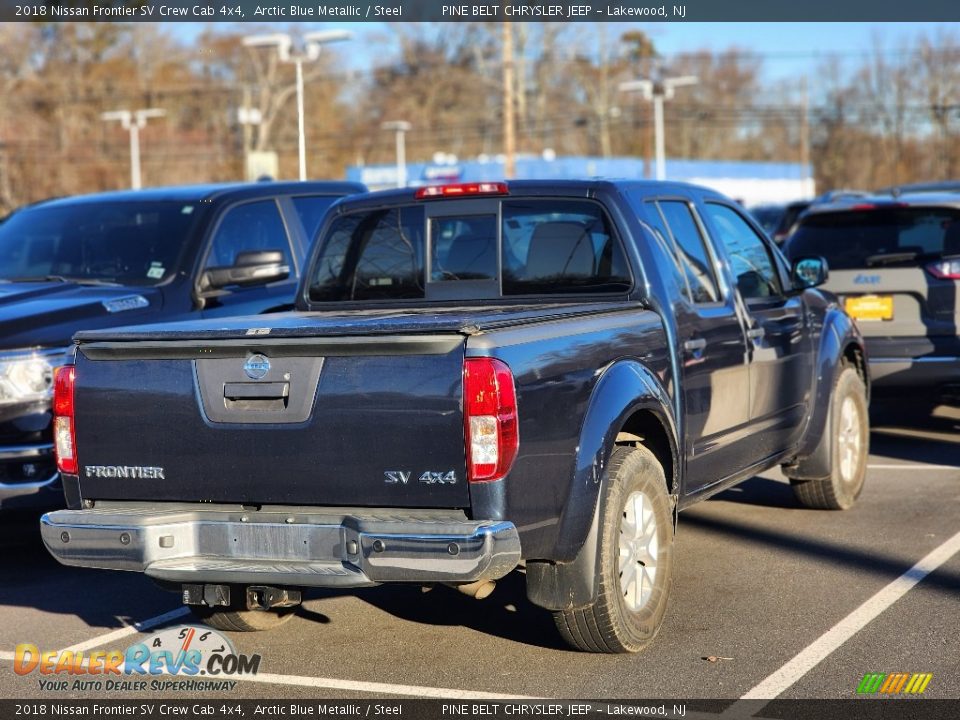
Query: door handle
{"type": "Point", "coordinates": [695, 346]}
{"type": "Point", "coordinates": [756, 333]}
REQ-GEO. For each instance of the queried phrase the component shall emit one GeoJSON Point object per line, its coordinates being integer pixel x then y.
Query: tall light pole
{"type": "Point", "coordinates": [509, 123]}
{"type": "Point", "coordinates": [133, 122]}
{"type": "Point", "coordinates": [401, 127]}
{"type": "Point", "coordinates": [658, 90]}
{"type": "Point", "coordinates": [312, 43]}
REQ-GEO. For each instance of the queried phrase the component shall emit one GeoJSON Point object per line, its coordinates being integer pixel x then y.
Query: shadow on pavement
{"type": "Point", "coordinates": [833, 553]}
{"type": "Point", "coordinates": [758, 491]}
{"type": "Point", "coordinates": [506, 613]}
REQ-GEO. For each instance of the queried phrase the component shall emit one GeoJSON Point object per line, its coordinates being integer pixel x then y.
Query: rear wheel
{"type": "Point", "coordinates": [236, 620]}
{"type": "Point", "coordinates": [850, 428]}
{"type": "Point", "coordinates": [635, 562]}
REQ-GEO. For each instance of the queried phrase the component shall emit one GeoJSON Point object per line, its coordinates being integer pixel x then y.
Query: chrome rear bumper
{"type": "Point", "coordinates": [310, 547]}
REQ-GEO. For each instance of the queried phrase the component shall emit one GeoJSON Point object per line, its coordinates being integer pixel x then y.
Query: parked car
{"type": "Point", "coordinates": [477, 376]}
{"type": "Point", "coordinates": [895, 264]}
{"type": "Point", "coordinates": [120, 258]}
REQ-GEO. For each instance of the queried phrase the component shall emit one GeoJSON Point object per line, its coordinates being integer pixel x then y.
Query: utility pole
{"type": "Point", "coordinates": [659, 89]}
{"type": "Point", "coordinates": [804, 134]}
{"type": "Point", "coordinates": [401, 128]}
{"type": "Point", "coordinates": [134, 122]}
{"type": "Point", "coordinates": [509, 138]}
{"type": "Point", "coordinates": [312, 43]}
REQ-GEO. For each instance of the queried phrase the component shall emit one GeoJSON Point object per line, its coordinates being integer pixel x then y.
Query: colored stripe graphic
{"type": "Point", "coordinates": [894, 683]}
{"type": "Point", "coordinates": [918, 683]}
{"type": "Point", "coordinates": [871, 683]}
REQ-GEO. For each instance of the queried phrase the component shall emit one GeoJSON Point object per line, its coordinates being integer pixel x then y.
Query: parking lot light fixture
{"type": "Point", "coordinates": [133, 122]}
{"type": "Point", "coordinates": [658, 89]}
{"type": "Point", "coordinates": [401, 128]}
{"type": "Point", "coordinates": [310, 51]}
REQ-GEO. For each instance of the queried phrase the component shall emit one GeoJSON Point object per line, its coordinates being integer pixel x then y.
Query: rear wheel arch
{"type": "Point", "coordinates": [629, 407]}
{"type": "Point", "coordinates": [646, 428]}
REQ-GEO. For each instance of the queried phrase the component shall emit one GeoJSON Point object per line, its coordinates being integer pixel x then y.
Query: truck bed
{"type": "Point", "coordinates": [352, 408]}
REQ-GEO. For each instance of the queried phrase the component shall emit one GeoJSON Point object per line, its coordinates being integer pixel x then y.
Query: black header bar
{"type": "Point", "coordinates": [592, 11]}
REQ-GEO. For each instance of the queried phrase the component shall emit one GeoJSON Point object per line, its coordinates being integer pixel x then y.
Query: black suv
{"type": "Point", "coordinates": [895, 264]}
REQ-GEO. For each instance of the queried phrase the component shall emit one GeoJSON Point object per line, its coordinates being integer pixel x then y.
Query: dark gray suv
{"type": "Point", "coordinates": [895, 265]}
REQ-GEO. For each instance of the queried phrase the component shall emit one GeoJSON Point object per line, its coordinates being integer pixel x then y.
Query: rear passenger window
{"type": "Point", "coordinates": [750, 260]}
{"type": "Point", "coordinates": [665, 248]}
{"type": "Point", "coordinates": [694, 258]}
{"type": "Point", "coordinates": [250, 227]}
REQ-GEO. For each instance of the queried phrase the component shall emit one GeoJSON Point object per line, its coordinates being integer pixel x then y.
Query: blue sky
{"type": "Point", "coordinates": [788, 48]}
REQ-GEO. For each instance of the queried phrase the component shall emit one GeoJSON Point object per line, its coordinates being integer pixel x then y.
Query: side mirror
{"type": "Point", "coordinates": [810, 272]}
{"type": "Point", "coordinates": [257, 267]}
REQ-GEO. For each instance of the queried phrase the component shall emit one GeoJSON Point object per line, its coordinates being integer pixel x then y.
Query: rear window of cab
{"type": "Point", "coordinates": [480, 249]}
{"type": "Point", "coordinates": [878, 236]}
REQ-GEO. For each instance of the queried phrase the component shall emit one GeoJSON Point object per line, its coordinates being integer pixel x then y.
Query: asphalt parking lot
{"type": "Point", "coordinates": [785, 601]}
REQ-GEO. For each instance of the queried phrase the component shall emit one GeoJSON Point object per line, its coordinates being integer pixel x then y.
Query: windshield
{"type": "Point", "coordinates": [873, 237]}
{"type": "Point", "coordinates": [129, 243]}
{"type": "Point", "coordinates": [545, 247]}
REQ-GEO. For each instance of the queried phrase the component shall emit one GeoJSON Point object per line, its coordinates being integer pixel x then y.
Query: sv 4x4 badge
{"type": "Point", "coordinates": [393, 477]}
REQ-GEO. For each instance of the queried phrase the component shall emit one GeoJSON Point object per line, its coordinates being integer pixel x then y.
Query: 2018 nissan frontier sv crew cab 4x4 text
{"type": "Point", "coordinates": [477, 377]}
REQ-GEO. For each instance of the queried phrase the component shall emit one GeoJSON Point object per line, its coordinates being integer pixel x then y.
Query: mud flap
{"type": "Point", "coordinates": [567, 586]}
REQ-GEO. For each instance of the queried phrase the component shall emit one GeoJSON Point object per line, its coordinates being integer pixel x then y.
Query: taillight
{"type": "Point", "coordinates": [945, 269]}
{"type": "Point", "coordinates": [490, 419]}
{"type": "Point", "coordinates": [879, 205]}
{"type": "Point", "coordinates": [64, 432]}
{"type": "Point", "coordinates": [462, 189]}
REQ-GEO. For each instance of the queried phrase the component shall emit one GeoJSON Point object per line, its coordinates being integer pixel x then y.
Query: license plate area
{"type": "Point", "coordinates": [870, 308]}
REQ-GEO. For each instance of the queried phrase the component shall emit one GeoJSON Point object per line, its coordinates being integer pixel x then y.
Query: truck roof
{"type": "Point", "coordinates": [210, 191]}
{"type": "Point", "coordinates": [552, 188]}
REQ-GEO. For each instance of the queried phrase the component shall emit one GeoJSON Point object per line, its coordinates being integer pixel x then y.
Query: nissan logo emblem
{"type": "Point", "coordinates": [256, 366]}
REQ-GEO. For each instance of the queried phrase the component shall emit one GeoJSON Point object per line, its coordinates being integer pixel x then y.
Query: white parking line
{"type": "Point", "coordinates": [376, 687]}
{"type": "Point", "coordinates": [128, 630]}
{"type": "Point", "coordinates": [912, 466]}
{"type": "Point", "coordinates": [4, 655]}
{"type": "Point", "coordinates": [814, 653]}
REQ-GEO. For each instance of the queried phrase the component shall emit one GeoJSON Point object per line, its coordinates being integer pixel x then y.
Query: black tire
{"type": "Point", "coordinates": [233, 620]}
{"type": "Point", "coordinates": [610, 624]}
{"type": "Point", "coordinates": [841, 490]}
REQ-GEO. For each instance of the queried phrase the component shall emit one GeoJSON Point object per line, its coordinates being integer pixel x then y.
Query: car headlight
{"type": "Point", "coordinates": [27, 375]}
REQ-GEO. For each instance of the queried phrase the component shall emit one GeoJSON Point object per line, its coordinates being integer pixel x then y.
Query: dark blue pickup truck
{"type": "Point", "coordinates": [132, 257]}
{"type": "Point", "coordinates": [477, 377]}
